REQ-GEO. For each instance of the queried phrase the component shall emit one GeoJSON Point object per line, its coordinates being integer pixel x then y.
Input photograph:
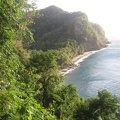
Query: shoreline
{"type": "Point", "coordinates": [77, 60]}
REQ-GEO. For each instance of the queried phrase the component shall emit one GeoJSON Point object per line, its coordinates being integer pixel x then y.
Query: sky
{"type": "Point", "coordinates": [104, 12]}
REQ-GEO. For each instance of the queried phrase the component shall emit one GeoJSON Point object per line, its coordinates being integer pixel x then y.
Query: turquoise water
{"type": "Point", "coordinates": [99, 71]}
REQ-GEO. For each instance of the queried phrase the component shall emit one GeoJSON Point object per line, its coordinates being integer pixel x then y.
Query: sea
{"type": "Point", "coordinates": [99, 71]}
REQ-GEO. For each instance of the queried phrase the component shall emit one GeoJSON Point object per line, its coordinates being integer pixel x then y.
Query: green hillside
{"type": "Point", "coordinates": [57, 27]}
{"type": "Point", "coordinates": [31, 87]}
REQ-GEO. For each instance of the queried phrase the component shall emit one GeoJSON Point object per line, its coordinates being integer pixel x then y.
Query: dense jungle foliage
{"type": "Point", "coordinates": [30, 84]}
{"type": "Point", "coordinates": [69, 33]}
{"type": "Point", "coordinates": [56, 28]}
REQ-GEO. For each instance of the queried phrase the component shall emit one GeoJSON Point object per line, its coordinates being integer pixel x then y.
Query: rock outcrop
{"type": "Point", "coordinates": [56, 27]}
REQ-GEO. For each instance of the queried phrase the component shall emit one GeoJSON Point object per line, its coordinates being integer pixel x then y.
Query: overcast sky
{"type": "Point", "coordinates": [104, 12]}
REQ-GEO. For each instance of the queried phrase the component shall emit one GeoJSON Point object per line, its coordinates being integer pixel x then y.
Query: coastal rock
{"type": "Point", "coordinates": [56, 27]}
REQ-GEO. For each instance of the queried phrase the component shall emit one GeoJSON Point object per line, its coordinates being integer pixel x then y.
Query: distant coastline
{"type": "Point", "coordinates": [78, 59]}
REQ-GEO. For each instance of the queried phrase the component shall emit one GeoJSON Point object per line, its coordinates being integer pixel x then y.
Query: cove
{"type": "Point", "coordinates": [97, 72]}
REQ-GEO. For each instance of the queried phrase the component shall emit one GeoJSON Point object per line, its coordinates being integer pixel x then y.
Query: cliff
{"type": "Point", "coordinates": [57, 27]}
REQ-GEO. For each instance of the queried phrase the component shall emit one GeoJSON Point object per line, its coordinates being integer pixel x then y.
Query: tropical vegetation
{"type": "Point", "coordinates": [31, 87]}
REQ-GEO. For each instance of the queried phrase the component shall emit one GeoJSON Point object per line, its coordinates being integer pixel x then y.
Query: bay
{"type": "Point", "coordinates": [97, 72]}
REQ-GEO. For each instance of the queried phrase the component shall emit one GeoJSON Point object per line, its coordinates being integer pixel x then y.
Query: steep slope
{"type": "Point", "coordinates": [57, 27]}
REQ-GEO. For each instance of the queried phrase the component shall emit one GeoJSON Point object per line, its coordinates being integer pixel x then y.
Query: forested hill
{"type": "Point", "coordinates": [31, 87]}
{"type": "Point", "coordinates": [56, 28]}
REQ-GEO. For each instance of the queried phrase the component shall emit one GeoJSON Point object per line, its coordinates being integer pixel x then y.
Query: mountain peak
{"type": "Point", "coordinates": [52, 9]}
{"type": "Point", "coordinates": [57, 27]}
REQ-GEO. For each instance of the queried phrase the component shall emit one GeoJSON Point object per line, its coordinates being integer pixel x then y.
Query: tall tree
{"type": "Point", "coordinates": [16, 102]}
{"type": "Point", "coordinates": [47, 68]}
{"type": "Point", "coordinates": [65, 101]}
{"type": "Point", "coordinates": [105, 107]}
